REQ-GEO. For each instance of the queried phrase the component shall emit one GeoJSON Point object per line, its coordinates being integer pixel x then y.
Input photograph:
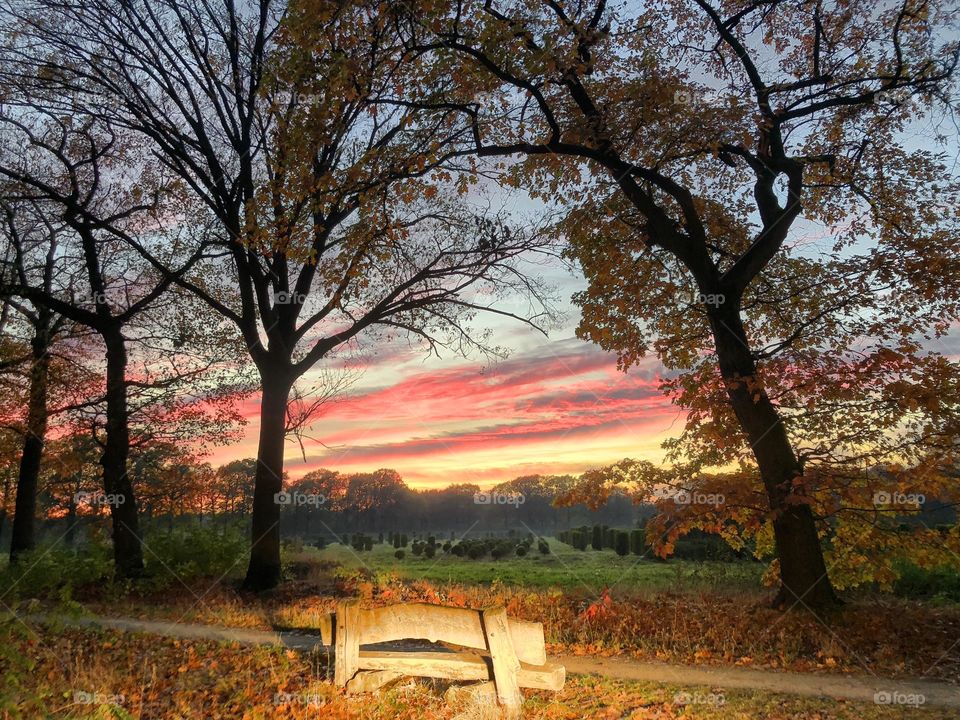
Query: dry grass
{"type": "Point", "coordinates": [137, 676]}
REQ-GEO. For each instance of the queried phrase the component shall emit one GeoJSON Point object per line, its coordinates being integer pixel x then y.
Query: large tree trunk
{"type": "Point", "coordinates": [127, 550]}
{"type": "Point", "coordinates": [803, 573]}
{"type": "Point", "coordinates": [263, 572]}
{"type": "Point", "coordinates": [23, 536]}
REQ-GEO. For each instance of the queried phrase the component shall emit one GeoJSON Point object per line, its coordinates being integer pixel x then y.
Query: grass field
{"type": "Point", "coordinates": [590, 603]}
{"type": "Point", "coordinates": [566, 568]}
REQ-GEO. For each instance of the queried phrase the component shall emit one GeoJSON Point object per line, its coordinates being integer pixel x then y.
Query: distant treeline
{"type": "Point", "coordinates": [328, 504]}
{"type": "Point", "coordinates": [174, 490]}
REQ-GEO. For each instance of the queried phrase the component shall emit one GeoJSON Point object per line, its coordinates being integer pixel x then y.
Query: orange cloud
{"type": "Point", "coordinates": [559, 409]}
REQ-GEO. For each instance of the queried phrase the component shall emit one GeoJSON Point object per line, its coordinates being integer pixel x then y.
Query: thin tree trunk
{"type": "Point", "coordinates": [70, 537]}
{"type": "Point", "coordinates": [23, 537]}
{"type": "Point", "coordinates": [803, 572]}
{"type": "Point", "coordinates": [127, 550]}
{"type": "Point", "coordinates": [263, 572]}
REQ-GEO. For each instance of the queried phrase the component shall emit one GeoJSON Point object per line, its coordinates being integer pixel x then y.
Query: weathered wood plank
{"type": "Point", "coordinates": [459, 666]}
{"type": "Point", "coordinates": [458, 626]}
{"type": "Point", "coordinates": [346, 642]}
{"type": "Point", "coordinates": [506, 666]}
{"type": "Point", "coordinates": [326, 628]}
{"type": "Point", "coordinates": [370, 680]}
{"type": "Point", "coordinates": [549, 676]}
{"type": "Point", "coordinates": [453, 666]}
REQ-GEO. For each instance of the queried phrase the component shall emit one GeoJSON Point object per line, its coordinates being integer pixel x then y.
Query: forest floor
{"type": "Point", "coordinates": [863, 688]}
{"type": "Point", "coordinates": [682, 639]}
{"type": "Point", "coordinates": [58, 671]}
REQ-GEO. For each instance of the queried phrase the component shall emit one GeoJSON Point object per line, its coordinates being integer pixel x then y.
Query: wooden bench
{"type": "Point", "coordinates": [511, 652]}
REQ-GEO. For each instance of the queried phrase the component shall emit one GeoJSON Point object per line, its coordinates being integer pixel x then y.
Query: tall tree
{"type": "Point", "coordinates": [44, 326]}
{"type": "Point", "coordinates": [323, 193]}
{"type": "Point", "coordinates": [81, 172]}
{"type": "Point", "coordinates": [692, 142]}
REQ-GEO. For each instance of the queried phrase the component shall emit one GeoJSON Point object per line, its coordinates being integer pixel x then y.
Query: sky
{"type": "Point", "coordinates": [554, 405]}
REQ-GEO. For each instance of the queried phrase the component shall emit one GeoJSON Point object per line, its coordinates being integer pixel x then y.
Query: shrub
{"type": "Point", "coordinates": [417, 549]}
{"type": "Point", "coordinates": [447, 546]}
{"type": "Point", "coordinates": [623, 543]}
{"type": "Point", "coordinates": [430, 551]}
{"type": "Point", "coordinates": [396, 541]}
{"type": "Point", "coordinates": [596, 541]}
{"type": "Point", "coordinates": [403, 540]}
{"type": "Point", "coordinates": [380, 539]}
{"type": "Point", "coordinates": [458, 550]}
{"type": "Point", "coordinates": [431, 540]}
{"type": "Point", "coordinates": [476, 552]}
{"type": "Point", "coordinates": [521, 550]}
{"type": "Point", "coordinates": [48, 571]}
{"type": "Point", "coordinates": [321, 543]}
{"type": "Point", "coordinates": [362, 542]}
{"type": "Point", "coordinates": [196, 551]}
{"type": "Point", "coordinates": [399, 554]}
{"type": "Point", "coordinates": [939, 583]}
{"type": "Point", "coordinates": [579, 540]}
{"type": "Point", "coordinates": [544, 547]}
{"type": "Point", "coordinates": [698, 545]}
{"type": "Point", "coordinates": [636, 542]}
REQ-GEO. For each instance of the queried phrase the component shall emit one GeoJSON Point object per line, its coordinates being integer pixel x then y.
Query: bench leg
{"type": "Point", "coordinates": [346, 642]}
{"type": "Point", "coordinates": [506, 666]}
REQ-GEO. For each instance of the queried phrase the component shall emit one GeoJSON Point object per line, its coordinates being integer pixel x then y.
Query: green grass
{"type": "Point", "coordinates": [564, 567]}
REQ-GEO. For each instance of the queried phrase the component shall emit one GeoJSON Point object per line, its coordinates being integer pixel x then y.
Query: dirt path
{"type": "Point", "coordinates": [840, 687]}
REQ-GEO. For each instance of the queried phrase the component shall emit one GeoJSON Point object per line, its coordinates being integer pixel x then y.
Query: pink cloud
{"type": "Point", "coordinates": [561, 409]}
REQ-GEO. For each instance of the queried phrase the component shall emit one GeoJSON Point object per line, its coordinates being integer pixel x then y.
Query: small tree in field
{"type": "Point", "coordinates": [596, 541]}
{"type": "Point", "coordinates": [622, 545]}
{"type": "Point", "coordinates": [743, 202]}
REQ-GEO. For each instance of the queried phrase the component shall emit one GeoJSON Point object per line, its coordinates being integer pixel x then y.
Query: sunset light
{"type": "Point", "coordinates": [479, 359]}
